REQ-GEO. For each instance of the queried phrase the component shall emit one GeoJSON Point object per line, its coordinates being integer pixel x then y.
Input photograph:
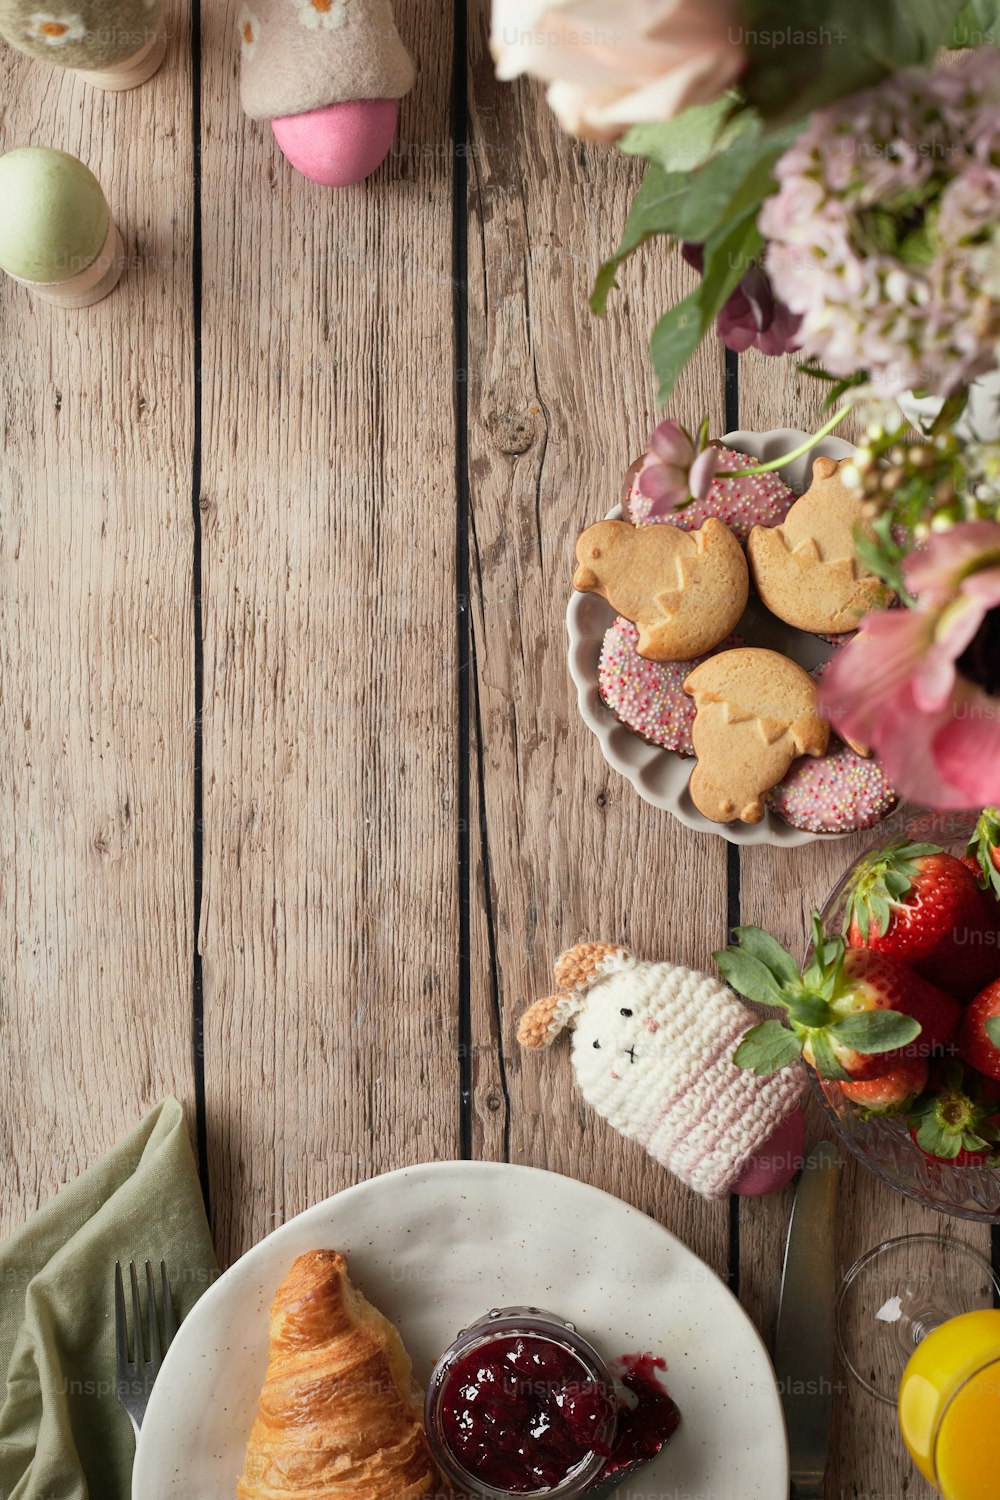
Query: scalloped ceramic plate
{"type": "Point", "coordinates": [660, 776]}
{"type": "Point", "coordinates": [436, 1246]}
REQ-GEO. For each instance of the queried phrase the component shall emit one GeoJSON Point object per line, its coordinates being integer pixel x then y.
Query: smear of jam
{"type": "Point", "coordinates": [522, 1413]}
{"type": "Point", "coordinates": [645, 1427]}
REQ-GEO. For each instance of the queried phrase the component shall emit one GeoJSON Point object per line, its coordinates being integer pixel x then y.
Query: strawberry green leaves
{"type": "Point", "coordinates": [767, 1048]}
{"type": "Point", "coordinates": [956, 1120]}
{"type": "Point", "coordinates": [823, 1015]}
{"type": "Point", "coordinates": [881, 882]}
{"type": "Point", "coordinates": [875, 1031]}
{"type": "Point", "coordinates": [984, 848]}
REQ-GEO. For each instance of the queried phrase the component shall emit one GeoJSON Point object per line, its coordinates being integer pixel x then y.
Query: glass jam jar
{"type": "Point", "coordinates": [521, 1405]}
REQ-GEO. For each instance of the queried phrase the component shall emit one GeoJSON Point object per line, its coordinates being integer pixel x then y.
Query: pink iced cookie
{"type": "Point", "coordinates": [760, 500]}
{"type": "Point", "coordinates": [648, 696]}
{"type": "Point", "coordinates": [838, 792]}
{"type": "Point", "coordinates": [774, 1166]}
{"type": "Point", "coordinates": [340, 144]}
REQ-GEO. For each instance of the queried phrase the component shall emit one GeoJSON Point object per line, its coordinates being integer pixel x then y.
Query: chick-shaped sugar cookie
{"type": "Point", "coordinates": [652, 1050]}
{"type": "Point", "coordinates": [756, 713]}
{"type": "Point", "coordinates": [807, 570]}
{"type": "Point", "coordinates": [683, 590]}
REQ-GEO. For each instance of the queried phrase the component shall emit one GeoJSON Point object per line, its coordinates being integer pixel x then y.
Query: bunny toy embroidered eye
{"type": "Point", "coordinates": [652, 1047]}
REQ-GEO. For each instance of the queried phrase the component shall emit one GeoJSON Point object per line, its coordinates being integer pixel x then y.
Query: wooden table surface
{"type": "Point", "coordinates": [296, 806]}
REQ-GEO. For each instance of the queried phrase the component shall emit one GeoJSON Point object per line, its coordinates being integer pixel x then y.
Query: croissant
{"type": "Point", "coordinates": [340, 1414]}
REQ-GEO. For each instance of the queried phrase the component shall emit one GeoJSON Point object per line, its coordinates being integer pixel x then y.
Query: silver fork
{"type": "Point", "coordinates": [135, 1376]}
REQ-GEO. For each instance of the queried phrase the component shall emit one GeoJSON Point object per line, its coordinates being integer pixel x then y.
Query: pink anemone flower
{"type": "Point", "coordinates": [677, 469]}
{"type": "Point", "coordinates": [921, 686]}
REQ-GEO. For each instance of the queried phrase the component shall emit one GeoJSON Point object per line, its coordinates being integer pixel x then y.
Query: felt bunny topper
{"type": "Point", "coordinates": [652, 1047]}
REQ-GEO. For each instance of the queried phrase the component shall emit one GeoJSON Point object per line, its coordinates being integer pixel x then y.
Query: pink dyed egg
{"type": "Point", "coordinates": [340, 144]}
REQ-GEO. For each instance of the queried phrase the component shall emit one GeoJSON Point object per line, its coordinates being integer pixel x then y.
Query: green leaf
{"type": "Point", "coordinates": [680, 331]}
{"type": "Point", "coordinates": [770, 952]}
{"type": "Point", "coordinates": [733, 183]}
{"type": "Point", "coordinates": [918, 249]}
{"type": "Point", "coordinates": [992, 1029]}
{"type": "Point", "coordinates": [878, 227]}
{"type": "Point", "coordinates": [978, 25]}
{"type": "Point", "coordinates": [825, 1058]}
{"type": "Point", "coordinates": [749, 977]}
{"type": "Point", "coordinates": [766, 1048]}
{"type": "Point", "coordinates": [802, 60]}
{"type": "Point", "coordinates": [810, 1011]}
{"type": "Point", "coordinates": [874, 1031]}
{"type": "Point", "coordinates": [690, 138]}
{"type": "Point", "coordinates": [655, 210]}
{"type": "Point", "coordinates": [696, 206]}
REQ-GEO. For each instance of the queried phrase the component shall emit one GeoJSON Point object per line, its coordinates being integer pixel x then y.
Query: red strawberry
{"type": "Point", "coordinates": [894, 1092]}
{"type": "Point", "coordinates": [924, 906]}
{"type": "Point", "coordinates": [982, 853]}
{"type": "Point", "coordinates": [852, 1013]}
{"type": "Point", "coordinates": [958, 1122]}
{"type": "Point", "coordinates": [979, 1033]}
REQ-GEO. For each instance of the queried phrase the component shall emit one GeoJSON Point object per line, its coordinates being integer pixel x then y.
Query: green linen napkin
{"type": "Point", "coordinates": [63, 1435]}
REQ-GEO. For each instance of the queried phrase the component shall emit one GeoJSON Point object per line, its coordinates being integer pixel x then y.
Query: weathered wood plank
{"type": "Point", "coordinates": [96, 700]}
{"type": "Point", "coordinates": [330, 917]}
{"type": "Point", "coordinates": [560, 403]}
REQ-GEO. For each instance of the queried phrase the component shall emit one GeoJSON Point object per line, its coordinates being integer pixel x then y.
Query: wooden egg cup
{"type": "Point", "coordinates": [91, 284]}
{"type": "Point", "coordinates": [131, 71]}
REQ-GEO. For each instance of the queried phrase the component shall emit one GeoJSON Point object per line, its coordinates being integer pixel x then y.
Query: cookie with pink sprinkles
{"type": "Point", "coordinates": [648, 696]}
{"type": "Point", "coordinates": [839, 792]}
{"type": "Point", "coordinates": [754, 500]}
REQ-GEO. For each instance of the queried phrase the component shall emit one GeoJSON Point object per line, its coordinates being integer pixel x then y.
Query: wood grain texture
{"type": "Point", "coordinates": [559, 404]}
{"type": "Point", "coordinates": [96, 700]}
{"type": "Point", "coordinates": [330, 918]}
{"type": "Point", "coordinates": [364, 802]}
{"type": "Point", "coordinates": [779, 888]}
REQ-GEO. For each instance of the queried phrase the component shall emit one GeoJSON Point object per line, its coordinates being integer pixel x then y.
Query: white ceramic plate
{"type": "Point", "coordinates": [660, 776]}
{"type": "Point", "coordinates": [434, 1247]}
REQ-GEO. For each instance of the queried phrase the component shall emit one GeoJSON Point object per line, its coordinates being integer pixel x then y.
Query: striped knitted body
{"type": "Point", "coordinates": [652, 1049]}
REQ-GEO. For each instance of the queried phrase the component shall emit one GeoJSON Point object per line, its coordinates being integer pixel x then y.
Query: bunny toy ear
{"type": "Point", "coordinates": [543, 1021]}
{"type": "Point", "coordinates": [580, 966]}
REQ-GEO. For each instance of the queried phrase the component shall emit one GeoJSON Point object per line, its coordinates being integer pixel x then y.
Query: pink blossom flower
{"type": "Point", "coordinates": [922, 685]}
{"type": "Point", "coordinates": [676, 469]}
{"type": "Point", "coordinates": [887, 207]}
{"type": "Point", "coordinates": [753, 317]}
{"type": "Point", "coordinates": [613, 63]}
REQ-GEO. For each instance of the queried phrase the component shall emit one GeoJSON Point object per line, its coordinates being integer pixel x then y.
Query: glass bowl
{"type": "Point", "coordinates": [883, 1144]}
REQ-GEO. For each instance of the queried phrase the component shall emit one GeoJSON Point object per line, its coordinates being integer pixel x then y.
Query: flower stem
{"type": "Point", "coordinates": [787, 458]}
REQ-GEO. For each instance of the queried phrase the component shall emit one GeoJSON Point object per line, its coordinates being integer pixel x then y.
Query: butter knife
{"type": "Point", "coordinates": [803, 1346]}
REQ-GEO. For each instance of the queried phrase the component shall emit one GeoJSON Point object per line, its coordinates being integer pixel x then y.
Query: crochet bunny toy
{"type": "Point", "coordinates": [652, 1050]}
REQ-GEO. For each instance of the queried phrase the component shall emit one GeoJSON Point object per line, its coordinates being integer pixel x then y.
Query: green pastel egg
{"type": "Point", "coordinates": [55, 218]}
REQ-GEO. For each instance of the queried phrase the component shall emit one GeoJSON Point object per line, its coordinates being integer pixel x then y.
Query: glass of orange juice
{"type": "Point", "coordinates": [949, 1406]}
{"type": "Point", "coordinates": [918, 1324]}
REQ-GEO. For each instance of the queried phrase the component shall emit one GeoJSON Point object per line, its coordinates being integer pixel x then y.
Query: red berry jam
{"type": "Point", "coordinates": [520, 1410]}
{"type": "Point", "coordinates": [647, 1425]}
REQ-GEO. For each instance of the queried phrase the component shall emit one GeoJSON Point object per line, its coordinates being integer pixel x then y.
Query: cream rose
{"type": "Point", "coordinates": [614, 63]}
